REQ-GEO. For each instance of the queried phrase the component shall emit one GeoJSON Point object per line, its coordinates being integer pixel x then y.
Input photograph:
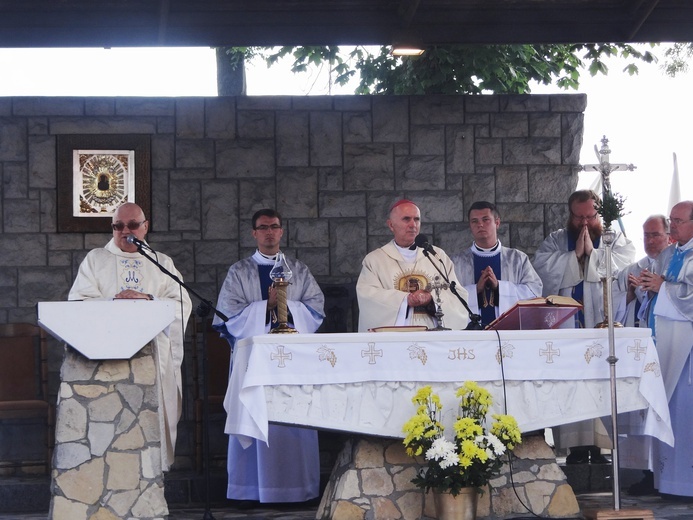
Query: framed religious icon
{"type": "Point", "coordinates": [98, 173]}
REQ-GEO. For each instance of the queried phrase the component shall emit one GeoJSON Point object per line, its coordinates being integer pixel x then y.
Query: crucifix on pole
{"type": "Point", "coordinates": [605, 168]}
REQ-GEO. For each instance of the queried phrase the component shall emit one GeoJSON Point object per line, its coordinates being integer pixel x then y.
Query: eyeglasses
{"type": "Point", "coordinates": [578, 218]}
{"type": "Point", "coordinates": [132, 226]}
{"type": "Point", "coordinates": [264, 227]}
{"type": "Point", "coordinates": [677, 221]}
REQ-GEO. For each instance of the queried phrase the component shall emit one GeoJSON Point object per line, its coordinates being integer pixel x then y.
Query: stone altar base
{"type": "Point", "coordinates": [107, 459]}
{"type": "Point", "coordinates": [372, 481]}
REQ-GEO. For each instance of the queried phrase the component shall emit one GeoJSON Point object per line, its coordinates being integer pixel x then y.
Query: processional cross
{"type": "Point", "coordinates": [605, 168]}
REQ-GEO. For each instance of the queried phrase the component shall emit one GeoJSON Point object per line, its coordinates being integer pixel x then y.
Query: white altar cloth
{"type": "Point", "coordinates": [364, 382]}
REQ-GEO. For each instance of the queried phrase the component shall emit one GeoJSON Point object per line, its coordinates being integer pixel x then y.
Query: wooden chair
{"type": "Point", "coordinates": [218, 359]}
{"type": "Point", "coordinates": [24, 380]}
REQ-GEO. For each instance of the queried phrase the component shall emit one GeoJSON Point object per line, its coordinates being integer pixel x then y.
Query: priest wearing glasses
{"type": "Point", "coordinates": [119, 271]}
{"type": "Point", "coordinates": [288, 470]}
{"type": "Point", "coordinates": [568, 263]}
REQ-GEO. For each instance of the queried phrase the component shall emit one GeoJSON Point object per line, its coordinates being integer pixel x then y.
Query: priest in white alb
{"type": "Point", "coordinates": [568, 263]}
{"type": "Point", "coordinates": [499, 276]}
{"type": "Point", "coordinates": [119, 271]}
{"type": "Point", "coordinates": [396, 286]}
{"type": "Point", "coordinates": [288, 469]}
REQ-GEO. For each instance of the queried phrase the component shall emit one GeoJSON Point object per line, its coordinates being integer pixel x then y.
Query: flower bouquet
{"type": "Point", "coordinates": [473, 456]}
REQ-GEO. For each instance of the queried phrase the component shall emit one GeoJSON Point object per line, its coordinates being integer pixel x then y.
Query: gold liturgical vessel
{"type": "Point", "coordinates": [281, 275]}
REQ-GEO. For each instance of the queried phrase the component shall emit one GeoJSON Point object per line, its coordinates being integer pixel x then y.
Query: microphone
{"type": "Point", "coordinates": [132, 239]}
{"type": "Point", "coordinates": [422, 242]}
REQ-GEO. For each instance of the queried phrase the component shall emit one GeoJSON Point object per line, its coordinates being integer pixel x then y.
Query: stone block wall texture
{"type": "Point", "coordinates": [331, 165]}
{"type": "Point", "coordinates": [107, 461]}
{"type": "Point", "coordinates": [372, 481]}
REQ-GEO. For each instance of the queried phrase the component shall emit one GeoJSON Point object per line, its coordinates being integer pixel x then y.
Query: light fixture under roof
{"type": "Point", "coordinates": [407, 44]}
{"type": "Point", "coordinates": [402, 49]}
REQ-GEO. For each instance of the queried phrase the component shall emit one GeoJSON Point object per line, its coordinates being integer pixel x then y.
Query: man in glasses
{"type": "Point", "coordinates": [288, 470]}
{"type": "Point", "coordinates": [567, 263]}
{"type": "Point", "coordinates": [568, 259]}
{"type": "Point", "coordinates": [119, 271]}
{"type": "Point", "coordinates": [670, 316]}
{"type": "Point", "coordinates": [628, 295]}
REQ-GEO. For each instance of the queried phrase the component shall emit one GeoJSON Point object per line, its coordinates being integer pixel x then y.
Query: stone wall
{"type": "Point", "coordinates": [330, 165]}
{"type": "Point", "coordinates": [372, 481]}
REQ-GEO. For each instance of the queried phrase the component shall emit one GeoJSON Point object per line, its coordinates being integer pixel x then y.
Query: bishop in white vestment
{"type": "Point", "coordinates": [394, 286]}
{"type": "Point", "coordinates": [118, 270]}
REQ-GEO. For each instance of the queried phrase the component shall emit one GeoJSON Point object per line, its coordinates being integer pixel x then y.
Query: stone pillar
{"type": "Point", "coordinates": [372, 480]}
{"type": "Point", "coordinates": [107, 459]}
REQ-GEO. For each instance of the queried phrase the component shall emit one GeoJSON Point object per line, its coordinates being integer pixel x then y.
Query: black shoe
{"type": "Point", "coordinates": [596, 456]}
{"type": "Point", "coordinates": [578, 455]}
{"type": "Point", "coordinates": [644, 487]}
{"type": "Point", "coordinates": [676, 498]}
{"type": "Point", "coordinates": [244, 505]}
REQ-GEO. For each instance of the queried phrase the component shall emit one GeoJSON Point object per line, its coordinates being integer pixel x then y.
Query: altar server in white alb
{"type": "Point", "coordinates": [119, 271]}
{"type": "Point", "coordinates": [670, 316]}
{"type": "Point", "coordinates": [394, 286]}
{"type": "Point", "coordinates": [499, 276]}
{"type": "Point", "coordinates": [288, 470]}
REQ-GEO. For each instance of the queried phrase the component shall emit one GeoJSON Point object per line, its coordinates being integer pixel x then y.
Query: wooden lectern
{"type": "Point", "coordinates": [537, 314]}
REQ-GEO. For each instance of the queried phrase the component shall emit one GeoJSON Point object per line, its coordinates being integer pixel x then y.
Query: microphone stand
{"type": "Point", "coordinates": [474, 319]}
{"type": "Point", "coordinates": [202, 310]}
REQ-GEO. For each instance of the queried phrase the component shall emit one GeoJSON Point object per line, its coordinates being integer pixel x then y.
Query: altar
{"type": "Point", "coordinates": [363, 383]}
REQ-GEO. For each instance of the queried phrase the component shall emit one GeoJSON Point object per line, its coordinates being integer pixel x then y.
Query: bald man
{"type": "Point", "coordinates": [394, 284]}
{"type": "Point", "coordinates": [119, 271]}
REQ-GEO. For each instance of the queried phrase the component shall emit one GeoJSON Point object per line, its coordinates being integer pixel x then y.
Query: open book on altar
{"type": "Point", "coordinates": [538, 313]}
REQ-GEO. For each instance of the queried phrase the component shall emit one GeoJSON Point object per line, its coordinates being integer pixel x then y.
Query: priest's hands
{"type": "Point", "coordinates": [583, 245]}
{"type": "Point", "coordinates": [130, 294]}
{"type": "Point", "coordinates": [650, 281]}
{"type": "Point", "coordinates": [487, 280]}
{"type": "Point", "coordinates": [419, 298]}
{"type": "Point", "coordinates": [271, 297]}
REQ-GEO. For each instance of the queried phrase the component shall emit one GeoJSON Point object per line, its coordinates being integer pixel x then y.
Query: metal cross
{"type": "Point", "coordinates": [605, 167]}
{"type": "Point", "coordinates": [438, 286]}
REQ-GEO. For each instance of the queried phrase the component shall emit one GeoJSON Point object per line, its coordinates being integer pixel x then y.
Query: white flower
{"type": "Point", "coordinates": [496, 444]}
{"type": "Point", "coordinates": [444, 451]}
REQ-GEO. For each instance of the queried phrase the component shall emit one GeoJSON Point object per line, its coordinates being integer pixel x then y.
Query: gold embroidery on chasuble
{"type": "Point", "coordinates": [326, 353]}
{"type": "Point", "coordinates": [412, 280]}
